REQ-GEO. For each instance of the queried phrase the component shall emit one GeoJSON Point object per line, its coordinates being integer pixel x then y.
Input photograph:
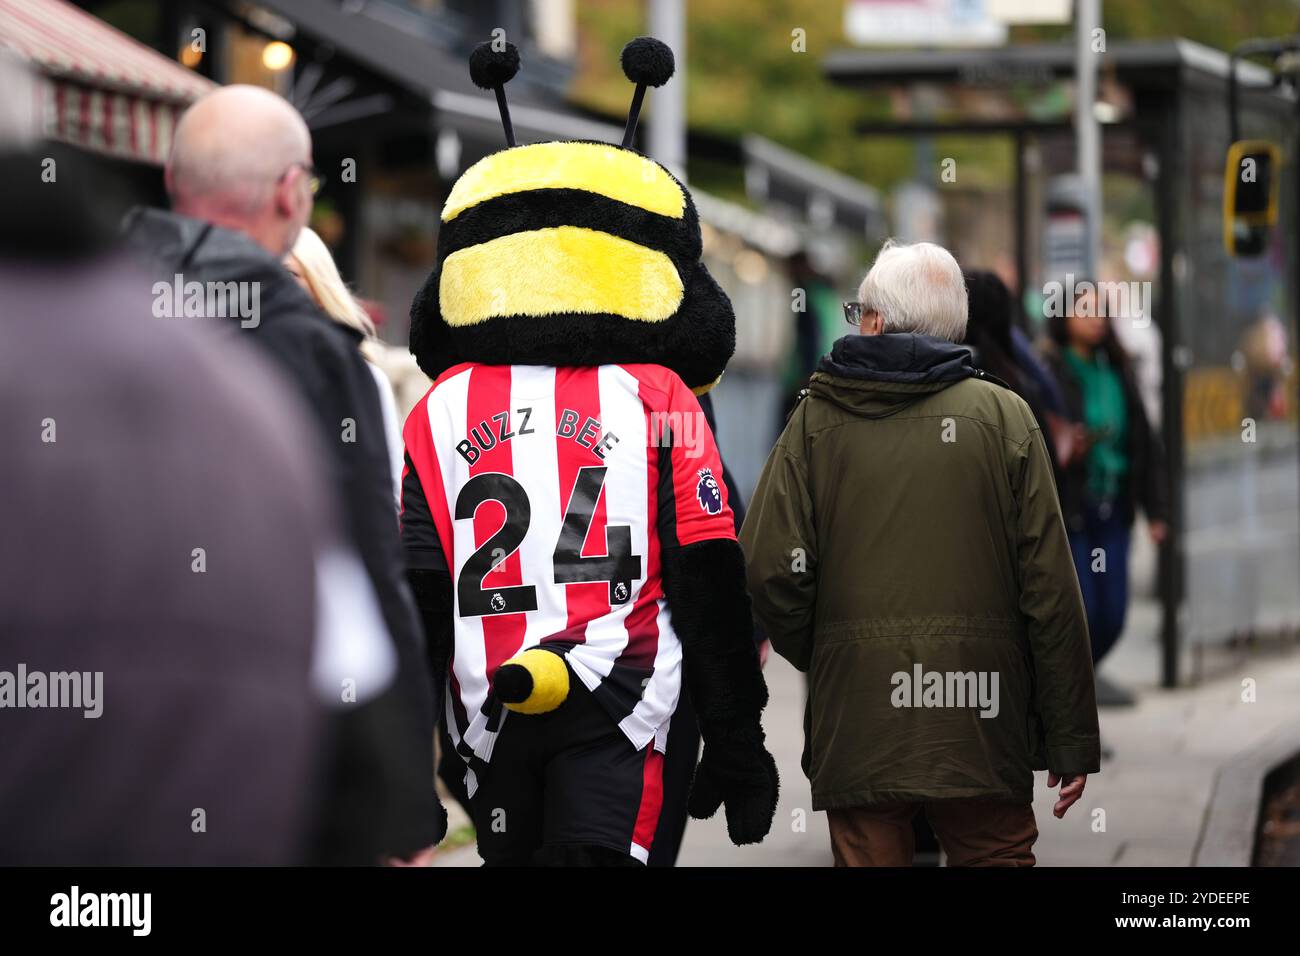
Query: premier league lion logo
{"type": "Point", "coordinates": [707, 493]}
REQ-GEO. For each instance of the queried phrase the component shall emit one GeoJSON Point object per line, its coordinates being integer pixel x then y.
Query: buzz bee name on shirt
{"type": "Point", "coordinates": [504, 426]}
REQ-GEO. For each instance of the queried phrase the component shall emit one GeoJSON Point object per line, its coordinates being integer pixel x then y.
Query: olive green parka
{"type": "Point", "coordinates": [905, 548]}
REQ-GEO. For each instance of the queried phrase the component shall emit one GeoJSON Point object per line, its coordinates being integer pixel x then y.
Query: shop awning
{"type": "Point", "coordinates": [98, 89]}
{"type": "Point", "coordinates": [406, 47]}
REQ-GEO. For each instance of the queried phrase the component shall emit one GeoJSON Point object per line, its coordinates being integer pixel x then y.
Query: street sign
{"type": "Point", "coordinates": [1029, 11]}
{"type": "Point", "coordinates": [931, 23]}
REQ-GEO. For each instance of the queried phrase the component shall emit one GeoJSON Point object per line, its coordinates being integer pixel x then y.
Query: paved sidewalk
{"type": "Point", "coordinates": [799, 836]}
{"type": "Point", "coordinates": [1153, 794]}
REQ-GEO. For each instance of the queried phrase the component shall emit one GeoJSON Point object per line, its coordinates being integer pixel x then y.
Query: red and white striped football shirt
{"type": "Point", "coordinates": [548, 494]}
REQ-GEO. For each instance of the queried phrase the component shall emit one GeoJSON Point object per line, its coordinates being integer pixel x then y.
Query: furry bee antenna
{"type": "Point", "coordinates": [492, 69]}
{"type": "Point", "coordinates": [646, 62]}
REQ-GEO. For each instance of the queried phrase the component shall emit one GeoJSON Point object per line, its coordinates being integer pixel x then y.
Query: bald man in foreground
{"type": "Point", "coordinates": [241, 184]}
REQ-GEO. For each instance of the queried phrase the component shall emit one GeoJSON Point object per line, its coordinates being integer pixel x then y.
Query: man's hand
{"type": "Point", "coordinates": [418, 858]}
{"type": "Point", "coordinates": [1070, 440]}
{"type": "Point", "coordinates": [438, 833]}
{"type": "Point", "coordinates": [1071, 790]}
{"type": "Point", "coordinates": [1159, 531]}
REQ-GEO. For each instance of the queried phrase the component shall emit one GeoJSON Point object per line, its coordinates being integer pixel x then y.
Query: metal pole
{"type": "Point", "coordinates": [1087, 136]}
{"type": "Point", "coordinates": [1170, 561]}
{"type": "Point", "coordinates": [1021, 213]}
{"type": "Point", "coordinates": [666, 140]}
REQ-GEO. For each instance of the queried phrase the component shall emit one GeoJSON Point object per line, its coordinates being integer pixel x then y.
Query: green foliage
{"type": "Point", "coordinates": [743, 75]}
{"type": "Point", "coordinates": [1217, 23]}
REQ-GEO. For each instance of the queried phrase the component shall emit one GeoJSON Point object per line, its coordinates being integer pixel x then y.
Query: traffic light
{"type": "Point", "coordinates": [1250, 193]}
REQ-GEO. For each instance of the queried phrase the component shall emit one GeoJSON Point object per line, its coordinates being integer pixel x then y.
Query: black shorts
{"type": "Point", "coordinates": [564, 780]}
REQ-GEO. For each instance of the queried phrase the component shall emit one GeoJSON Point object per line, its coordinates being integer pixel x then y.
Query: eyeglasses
{"type": "Point", "coordinates": [315, 178]}
{"type": "Point", "coordinates": [853, 313]}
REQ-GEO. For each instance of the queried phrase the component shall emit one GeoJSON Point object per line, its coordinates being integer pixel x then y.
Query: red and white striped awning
{"type": "Point", "coordinates": [97, 87]}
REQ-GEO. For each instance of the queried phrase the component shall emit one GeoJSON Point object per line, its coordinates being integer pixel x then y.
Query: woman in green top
{"type": "Point", "coordinates": [1109, 461]}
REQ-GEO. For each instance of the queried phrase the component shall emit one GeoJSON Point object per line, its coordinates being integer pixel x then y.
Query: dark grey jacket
{"type": "Point", "coordinates": [321, 361]}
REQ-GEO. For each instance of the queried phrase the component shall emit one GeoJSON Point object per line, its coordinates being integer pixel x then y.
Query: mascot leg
{"type": "Point", "coordinates": [603, 796]}
{"type": "Point", "coordinates": [565, 786]}
{"type": "Point", "coordinates": [679, 768]}
{"type": "Point", "coordinates": [580, 855]}
{"type": "Point", "coordinates": [509, 800]}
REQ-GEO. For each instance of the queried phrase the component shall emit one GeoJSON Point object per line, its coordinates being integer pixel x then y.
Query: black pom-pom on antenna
{"type": "Point", "coordinates": [647, 61]}
{"type": "Point", "coordinates": [490, 68]}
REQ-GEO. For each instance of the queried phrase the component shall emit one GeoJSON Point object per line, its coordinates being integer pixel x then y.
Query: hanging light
{"type": "Point", "coordinates": [277, 55]}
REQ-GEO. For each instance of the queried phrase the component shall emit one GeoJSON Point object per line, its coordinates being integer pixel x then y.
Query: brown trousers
{"type": "Point", "coordinates": [972, 832]}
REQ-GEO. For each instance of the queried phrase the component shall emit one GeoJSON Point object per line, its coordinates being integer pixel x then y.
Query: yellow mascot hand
{"type": "Point", "coordinates": [532, 682]}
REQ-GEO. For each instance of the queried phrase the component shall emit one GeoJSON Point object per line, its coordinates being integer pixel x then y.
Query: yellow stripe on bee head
{"type": "Point", "coordinates": [558, 270]}
{"type": "Point", "coordinates": [595, 167]}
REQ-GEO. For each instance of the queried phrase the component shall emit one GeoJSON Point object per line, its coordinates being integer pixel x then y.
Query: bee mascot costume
{"type": "Point", "coordinates": [571, 547]}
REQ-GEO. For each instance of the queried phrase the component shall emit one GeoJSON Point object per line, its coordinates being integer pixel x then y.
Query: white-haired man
{"type": "Point", "coordinates": [241, 182]}
{"type": "Point", "coordinates": [906, 550]}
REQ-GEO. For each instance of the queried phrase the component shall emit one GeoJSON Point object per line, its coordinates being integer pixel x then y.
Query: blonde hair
{"type": "Point", "coordinates": [326, 285]}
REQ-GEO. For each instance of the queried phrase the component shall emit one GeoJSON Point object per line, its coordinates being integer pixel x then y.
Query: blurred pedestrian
{"type": "Point", "coordinates": [988, 329]}
{"type": "Point", "coordinates": [1110, 460]}
{"type": "Point", "coordinates": [241, 182]}
{"type": "Point", "coordinates": [167, 601]}
{"type": "Point", "coordinates": [311, 264]}
{"type": "Point", "coordinates": [906, 550]}
{"type": "Point", "coordinates": [990, 332]}
{"type": "Point", "coordinates": [816, 326]}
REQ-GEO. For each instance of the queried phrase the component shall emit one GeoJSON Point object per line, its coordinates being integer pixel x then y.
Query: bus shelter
{"type": "Point", "coordinates": [1215, 334]}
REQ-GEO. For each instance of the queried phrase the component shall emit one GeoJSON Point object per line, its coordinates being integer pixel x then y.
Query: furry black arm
{"type": "Point", "coordinates": [432, 590]}
{"type": "Point", "coordinates": [705, 586]}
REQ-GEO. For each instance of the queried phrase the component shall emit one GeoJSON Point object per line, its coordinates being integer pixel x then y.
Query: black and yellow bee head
{"type": "Point", "coordinates": [572, 253]}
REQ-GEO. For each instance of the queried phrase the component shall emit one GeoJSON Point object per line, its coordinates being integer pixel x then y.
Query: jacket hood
{"type": "Point", "coordinates": [878, 375]}
{"type": "Point", "coordinates": [169, 244]}
{"type": "Point", "coordinates": [181, 242]}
